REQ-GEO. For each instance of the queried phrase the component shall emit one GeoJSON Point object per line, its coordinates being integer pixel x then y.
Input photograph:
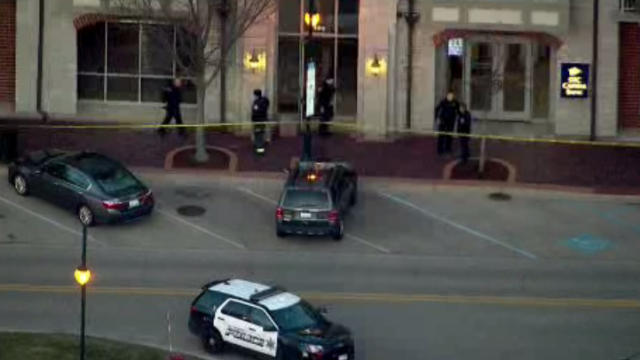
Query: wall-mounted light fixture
{"type": "Point", "coordinates": [255, 61]}
{"type": "Point", "coordinates": [376, 66]}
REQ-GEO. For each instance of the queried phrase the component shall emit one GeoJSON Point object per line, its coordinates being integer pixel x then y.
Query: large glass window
{"type": "Point", "coordinates": [334, 49]}
{"type": "Point", "coordinates": [481, 76]}
{"type": "Point", "coordinates": [128, 61]}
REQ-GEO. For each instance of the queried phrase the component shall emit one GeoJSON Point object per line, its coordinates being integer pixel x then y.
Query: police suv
{"type": "Point", "coordinates": [267, 321]}
{"type": "Point", "coordinates": [316, 198]}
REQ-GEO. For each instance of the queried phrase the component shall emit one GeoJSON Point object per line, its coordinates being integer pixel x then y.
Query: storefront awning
{"type": "Point", "coordinates": [444, 36]}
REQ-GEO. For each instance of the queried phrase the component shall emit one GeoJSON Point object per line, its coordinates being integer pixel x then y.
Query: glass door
{"type": "Point", "coordinates": [498, 79]}
{"type": "Point", "coordinates": [516, 67]}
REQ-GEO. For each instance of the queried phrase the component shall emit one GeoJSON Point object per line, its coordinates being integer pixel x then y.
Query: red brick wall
{"type": "Point", "coordinates": [7, 51]}
{"type": "Point", "coordinates": [629, 83]}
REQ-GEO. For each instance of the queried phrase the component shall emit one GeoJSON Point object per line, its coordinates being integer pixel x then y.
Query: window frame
{"type": "Point", "coordinates": [230, 301]}
{"type": "Point", "coordinates": [139, 76]}
{"type": "Point", "coordinates": [334, 35]}
{"type": "Point", "coordinates": [71, 169]}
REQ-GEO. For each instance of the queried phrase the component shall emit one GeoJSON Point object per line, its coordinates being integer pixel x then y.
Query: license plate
{"type": "Point", "coordinates": [134, 203]}
{"type": "Point", "coordinates": [343, 357]}
{"type": "Point", "coordinates": [305, 215]}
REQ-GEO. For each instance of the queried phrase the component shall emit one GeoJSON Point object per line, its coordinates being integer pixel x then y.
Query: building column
{"type": "Point", "coordinates": [59, 93]}
{"type": "Point", "coordinates": [608, 69]}
{"type": "Point", "coordinates": [27, 55]}
{"type": "Point", "coordinates": [377, 17]}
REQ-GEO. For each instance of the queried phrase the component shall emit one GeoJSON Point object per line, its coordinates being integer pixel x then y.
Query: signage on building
{"type": "Point", "coordinates": [311, 89]}
{"type": "Point", "coordinates": [456, 47]}
{"type": "Point", "coordinates": [575, 80]}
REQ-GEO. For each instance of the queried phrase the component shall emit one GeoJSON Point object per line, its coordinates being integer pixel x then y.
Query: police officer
{"type": "Point", "coordinates": [325, 102]}
{"type": "Point", "coordinates": [463, 127]}
{"type": "Point", "coordinates": [447, 112]}
{"type": "Point", "coordinates": [172, 99]}
{"type": "Point", "coordinates": [259, 111]}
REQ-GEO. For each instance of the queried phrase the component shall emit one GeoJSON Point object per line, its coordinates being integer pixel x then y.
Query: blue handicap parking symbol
{"type": "Point", "coordinates": [588, 244]}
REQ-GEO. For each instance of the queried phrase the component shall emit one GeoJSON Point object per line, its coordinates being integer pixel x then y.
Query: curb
{"type": "Point", "coordinates": [511, 177]}
{"type": "Point", "coordinates": [531, 188]}
{"type": "Point", "coordinates": [233, 158]}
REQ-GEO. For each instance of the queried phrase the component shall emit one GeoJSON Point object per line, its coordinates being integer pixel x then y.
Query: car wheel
{"type": "Point", "coordinates": [85, 215]}
{"type": "Point", "coordinates": [212, 342]}
{"type": "Point", "coordinates": [20, 185]}
{"type": "Point", "coordinates": [280, 233]}
{"type": "Point", "coordinates": [338, 234]}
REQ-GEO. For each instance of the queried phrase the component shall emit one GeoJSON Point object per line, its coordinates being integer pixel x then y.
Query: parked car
{"type": "Point", "coordinates": [316, 198]}
{"type": "Point", "coordinates": [94, 187]}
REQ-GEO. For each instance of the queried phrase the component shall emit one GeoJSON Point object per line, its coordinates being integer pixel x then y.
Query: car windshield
{"type": "Point", "coordinates": [307, 199]}
{"type": "Point", "coordinates": [118, 182]}
{"type": "Point", "coordinates": [112, 178]}
{"type": "Point", "coordinates": [297, 317]}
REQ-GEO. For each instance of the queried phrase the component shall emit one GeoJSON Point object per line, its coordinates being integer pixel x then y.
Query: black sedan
{"type": "Point", "coordinates": [93, 186]}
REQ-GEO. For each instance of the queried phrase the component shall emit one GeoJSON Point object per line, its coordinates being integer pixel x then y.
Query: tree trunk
{"type": "Point", "coordinates": [223, 62]}
{"type": "Point", "coordinates": [201, 155]}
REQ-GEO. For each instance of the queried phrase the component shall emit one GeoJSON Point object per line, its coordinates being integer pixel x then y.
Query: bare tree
{"type": "Point", "coordinates": [205, 32]}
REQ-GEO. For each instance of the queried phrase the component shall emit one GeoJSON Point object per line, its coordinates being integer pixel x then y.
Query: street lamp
{"type": "Point", "coordinates": [83, 275]}
{"type": "Point", "coordinates": [312, 21]}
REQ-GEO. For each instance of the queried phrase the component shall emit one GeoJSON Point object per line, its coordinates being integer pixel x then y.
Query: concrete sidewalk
{"type": "Point", "coordinates": [604, 169]}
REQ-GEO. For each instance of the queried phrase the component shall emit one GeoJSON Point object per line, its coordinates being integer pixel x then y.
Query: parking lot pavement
{"type": "Point", "coordinates": [238, 215]}
{"type": "Point", "coordinates": [560, 227]}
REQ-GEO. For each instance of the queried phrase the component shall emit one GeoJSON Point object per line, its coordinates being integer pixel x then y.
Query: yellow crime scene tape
{"type": "Point", "coordinates": [342, 127]}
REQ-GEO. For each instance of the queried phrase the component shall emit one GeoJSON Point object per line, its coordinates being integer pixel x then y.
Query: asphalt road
{"type": "Point", "coordinates": [424, 273]}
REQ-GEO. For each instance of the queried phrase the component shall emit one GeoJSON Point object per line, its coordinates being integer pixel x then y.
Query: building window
{"type": "Point", "coordinates": [124, 61]}
{"type": "Point", "coordinates": [335, 45]}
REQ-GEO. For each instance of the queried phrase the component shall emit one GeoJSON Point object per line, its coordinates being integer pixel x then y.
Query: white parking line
{"type": "Point", "coordinates": [259, 196]}
{"type": "Point", "coordinates": [368, 243]}
{"type": "Point", "coordinates": [350, 236]}
{"type": "Point", "coordinates": [201, 229]}
{"type": "Point", "coordinates": [50, 221]}
{"type": "Point", "coordinates": [458, 226]}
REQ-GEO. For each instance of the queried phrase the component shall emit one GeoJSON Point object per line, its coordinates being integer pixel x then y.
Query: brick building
{"type": "Point", "coordinates": [7, 54]}
{"type": "Point", "coordinates": [505, 59]}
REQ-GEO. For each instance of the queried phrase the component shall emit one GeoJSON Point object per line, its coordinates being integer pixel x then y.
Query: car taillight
{"type": "Point", "coordinates": [279, 214]}
{"type": "Point", "coordinates": [114, 205]}
{"type": "Point", "coordinates": [147, 197]}
{"type": "Point", "coordinates": [334, 216]}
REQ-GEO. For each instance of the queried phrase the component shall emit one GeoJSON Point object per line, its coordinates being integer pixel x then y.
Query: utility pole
{"type": "Point", "coordinates": [83, 276]}
{"type": "Point", "coordinates": [311, 19]}
{"type": "Point", "coordinates": [412, 17]}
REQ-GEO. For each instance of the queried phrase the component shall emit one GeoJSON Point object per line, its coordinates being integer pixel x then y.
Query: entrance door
{"type": "Point", "coordinates": [498, 80]}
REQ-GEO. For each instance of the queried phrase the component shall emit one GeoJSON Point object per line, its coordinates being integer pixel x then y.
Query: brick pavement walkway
{"type": "Point", "coordinates": [609, 169]}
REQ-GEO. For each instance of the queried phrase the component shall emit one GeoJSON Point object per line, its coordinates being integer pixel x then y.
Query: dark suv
{"type": "Point", "coordinates": [267, 321]}
{"type": "Point", "coordinates": [315, 199]}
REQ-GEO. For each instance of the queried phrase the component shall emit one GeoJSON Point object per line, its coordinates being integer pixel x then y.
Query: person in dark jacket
{"type": "Point", "coordinates": [259, 115]}
{"type": "Point", "coordinates": [463, 127]}
{"type": "Point", "coordinates": [325, 104]}
{"type": "Point", "coordinates": [172, 97]}
{"type": "Point", "coordinates": [447, 112]}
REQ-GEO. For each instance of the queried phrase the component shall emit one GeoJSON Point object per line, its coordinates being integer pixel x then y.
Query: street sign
{"type": "Point", "coordinates": [311, 89]}
{"type": "Point", "coordinates": [575, 81]}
